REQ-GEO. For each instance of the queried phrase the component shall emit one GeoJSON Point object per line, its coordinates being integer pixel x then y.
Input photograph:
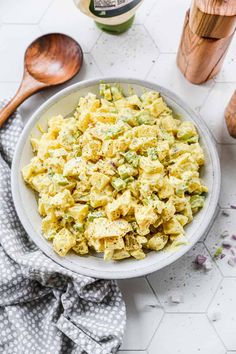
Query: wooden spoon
{"type": "Point", "coordinates": [230, 116]}
{"type": "Point", "coordinates": [50, 60]}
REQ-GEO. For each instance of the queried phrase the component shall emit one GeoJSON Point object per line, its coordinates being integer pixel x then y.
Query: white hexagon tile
{"type": "Point", "coordinates": [213, 109]}
{"type": "Point", "coordinates": [228, 72]}
{"type": "Point", "coordinates": [128, 51]}
{"type": "Point", "coordinates": [166, 73]}
{"type": "Point", "coordinates": [224, 303]}
{"type": "Point", "coordinates": [184, 286]}
{"type": "Point", "coordinates": [71, 21]}
{"type": "Point", "coordinates": [186, 334]}
{"type": "Point", "coordinates": [144, 11]}
{"type": "Point", "coordinates": [143, 309]}
{"type": "Point", "coordinates": [8, 89]}
{"type": "Point", "coordinates": [165, 23]}
{"type": "Point", "coordinates": [23, 11]}
{"type": "Point", "coordinates": [14, 39]}
{"type": "Point", "coordinates": [28, 107]}
{"type": "Point", "coordinates": [223, 236]}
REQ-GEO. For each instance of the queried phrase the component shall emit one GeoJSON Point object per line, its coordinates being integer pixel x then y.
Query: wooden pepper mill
{"type": "Point", "coordinates": [208, 30]}
{"type": "Point", "coordinates": [230, 116]}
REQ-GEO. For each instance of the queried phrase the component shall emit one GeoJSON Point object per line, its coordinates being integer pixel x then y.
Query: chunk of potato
{"type": "Point", "coordinates": [78, 212]}
{"type": "Point", "coordinates": [103, 228]}
{"type": "Point", "coordinates": [99, 180]}
{"type": "Point", "coordinates": [63, 241]}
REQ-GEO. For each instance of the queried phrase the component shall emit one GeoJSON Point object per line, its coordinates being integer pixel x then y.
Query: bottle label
{"type": "Point", "coordinates": [110, 8]}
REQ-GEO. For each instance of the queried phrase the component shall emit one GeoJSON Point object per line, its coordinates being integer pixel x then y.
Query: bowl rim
{"type": "Point", "coordinates": [139, 271]}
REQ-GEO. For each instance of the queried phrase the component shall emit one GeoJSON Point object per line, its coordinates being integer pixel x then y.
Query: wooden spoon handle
{"type": "Point", "coordinates": [230, 116]}
{"type": "Point", "coordinates": [28, 86]}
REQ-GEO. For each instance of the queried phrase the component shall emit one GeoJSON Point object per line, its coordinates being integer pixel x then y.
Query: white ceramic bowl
{"type": "Point", "coordinates": [64, 103]}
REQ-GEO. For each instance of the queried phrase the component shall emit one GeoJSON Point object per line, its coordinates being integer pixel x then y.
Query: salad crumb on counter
{"type": "Point", "coordinates": [120, 177]}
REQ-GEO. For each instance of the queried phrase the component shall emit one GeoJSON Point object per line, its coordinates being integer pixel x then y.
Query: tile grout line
{"type": "Point", "coordinates": [152, 39]}
{"type": "Point", "coordinates": [151, 67]}
{"type": "Point", "coordinates": [154, 333]}
{"type": "Point", "coordinates": [212, 257]}
{"type": "Point", "coordinates": [153, 291]}
{"type": "Point", "coordinates": [210, 302]}
{"type": "Point", "coordinates": [213, 327]}
{"type": "Point", "coordinates": [207, 95]}
{"type": "Point", "coordinates": [161, 307]}
{"type": "Point", "coordinates": [44, 12]}
{"type": "Point", "coordinates": [91, 49]}
{"type": "Point", "coordinates": [95, 62]}
{"type": "Point", "coordinates": [149, 12]}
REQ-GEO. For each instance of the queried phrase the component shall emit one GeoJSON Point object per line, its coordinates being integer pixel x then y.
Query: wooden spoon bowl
{"type": "Point", "coordinates": [50, 60]}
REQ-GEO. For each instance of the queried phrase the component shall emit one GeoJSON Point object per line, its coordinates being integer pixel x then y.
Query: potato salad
{"type": "Point", "coordinates": [120, 177]}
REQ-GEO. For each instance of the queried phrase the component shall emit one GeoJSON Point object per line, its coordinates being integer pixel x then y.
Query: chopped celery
{"type": "Point", "coordinates": [197, 201]}
{"type": "Point", "coordinates": [218, 252]}
{"type": "Point", "coordinates": [126, 171]}
{"type": "Point", "coordinates": [118, 184]}
{"type": "Point", "coordinates": [116, 93]}
{"type": "Point", "coordinates": [132, 158]}
{"type": "Point", "coordinates": [145, 118]}
{"type": "Point", "coordinates": [115, 130]}
{"type": "Point", "coordinates": [60, 179]}
{"type": "Point", "coordinates": [102, 88]}
{"type": "Point", "coordinates": [152, 153]}
{"type": "Point", "coordinates": [129, 180]}
{"type": "Point", "coordinates": [78, 226]}
{"type": "Point", "coordinates": [96, 214]}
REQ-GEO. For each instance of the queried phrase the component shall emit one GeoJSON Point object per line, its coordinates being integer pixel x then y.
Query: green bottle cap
{"type": "Point", "coordinates": [116, 29]}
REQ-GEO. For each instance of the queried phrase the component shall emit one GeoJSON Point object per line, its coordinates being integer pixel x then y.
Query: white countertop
{"type": "Point", "coordinates": [148, 50]}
